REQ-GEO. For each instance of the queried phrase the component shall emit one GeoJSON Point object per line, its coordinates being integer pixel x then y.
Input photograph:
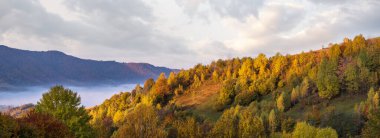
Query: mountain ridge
{"type": "Point", "coordinates": [29, 68]}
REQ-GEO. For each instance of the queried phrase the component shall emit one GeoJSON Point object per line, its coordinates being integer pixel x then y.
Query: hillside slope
{"type": "Point", "coordinates": [333, 91]}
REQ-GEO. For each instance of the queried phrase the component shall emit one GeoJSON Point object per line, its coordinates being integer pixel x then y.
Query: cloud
{"type": "Point", "coordinates": [181, 33]}
{"type": "Point", "coordinates": [104, 29]}
{"type": "Point", "coordinates": [293, 26]}
{"type": "Point", "coordinates": [232, 8]}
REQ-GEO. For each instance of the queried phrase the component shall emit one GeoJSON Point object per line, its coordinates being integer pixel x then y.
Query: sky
{"type": "Point", "coordinates": [182, 33]}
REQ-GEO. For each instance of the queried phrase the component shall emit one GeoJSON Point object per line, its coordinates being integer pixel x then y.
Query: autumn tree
{"type": "Point", "coordinates": [273, 121]}
{"type": "Point", "coordinates": [305, 87]}
{"type": "Point", "coordinates": [283, 102]}
{"type": "Point", "coordinates": [304, 130]}
{"type": "Point", "coordinates": [245, 72]}
{"type": "Point", "coordinates": [326, 133]}
{"type": "Point", "coordinates": [237, 122]}
{"type": "Point", "coordinates": [64, 105]}
{"type": "Point", "coordinates": [295, 95]}
{"type": "Point", "coordinates": [172, 80]}
{"type": "Point", "coordinates": [227, 124]}
{"type": "Point", "coordinates": [148, 85]}
{"type": "Point", "coordinates": [8, 126]}
{"type": "Point", "coordinates": [188, 128]}
{"type": "Point", "coordinates": [160, 90]}
{"type": "Point", "coordinates": [279, 63]}
{"type": "Point", "coordinates": [358, 43]}
{"type": "Point", "coordinates": [197, 82]}
{"type": "Point", "coordinates": [226, 94]}
{"type": "Point", "coordinates": [250, 125]}
{"type": "Point", "coordinates": [160, 87]}
{"type": "Point", "coordinates": [372, 126]}
{"type": "Point", "coordinates": [260, 63]}
{"type": "Point", "coordinates": [335, 52]}
{"type": "Point", "coordinates": [142, 122]}
{"type": "Point", "coordinates": [44, 125]}
{"type": "Point", "coordinates": [215, 76]}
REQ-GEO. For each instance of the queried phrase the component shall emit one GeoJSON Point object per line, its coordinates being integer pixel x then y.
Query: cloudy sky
{"type": "Point", "coordinates": [181, 33]}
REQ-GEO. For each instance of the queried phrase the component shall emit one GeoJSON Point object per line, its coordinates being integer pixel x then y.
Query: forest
{"type": "Point", "coordinates": [327, 93]}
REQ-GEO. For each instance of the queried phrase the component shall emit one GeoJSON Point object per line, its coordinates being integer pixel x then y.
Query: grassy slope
{"type": "Point", "coordinates": [200, 100]}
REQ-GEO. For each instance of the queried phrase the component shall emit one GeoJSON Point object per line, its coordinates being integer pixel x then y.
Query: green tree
{"type": "Point", "coordinates": [328, 81]}
{"type": "Point", "coordinates": [64, 105]}
{"type": "Point", "coordinates": [351, 78]}
{"type": "Point", "coordinates": [227, 124]}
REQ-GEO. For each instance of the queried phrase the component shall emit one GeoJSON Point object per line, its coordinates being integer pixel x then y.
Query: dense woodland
{"type": "Point", "coordinates": [328, 93]}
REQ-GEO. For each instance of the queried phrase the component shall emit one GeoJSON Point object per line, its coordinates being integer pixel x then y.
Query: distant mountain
{"type": "Point", "coordinates": [30, 68]}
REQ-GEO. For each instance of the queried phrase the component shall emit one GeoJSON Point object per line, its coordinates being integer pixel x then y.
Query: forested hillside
{"type": "Point", "coordinates": [30, 68]}
{"type": "Point", "coordinates": [328, 93]}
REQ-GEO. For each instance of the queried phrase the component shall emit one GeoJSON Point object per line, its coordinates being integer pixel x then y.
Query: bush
{"type": "Point", "coordinates": [43, 125]}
